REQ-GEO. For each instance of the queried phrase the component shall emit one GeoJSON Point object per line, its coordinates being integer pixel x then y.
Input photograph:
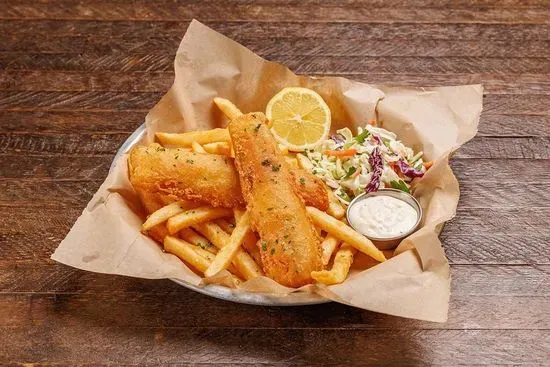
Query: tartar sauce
{"type": "Point", "coordinates": [382, 216]}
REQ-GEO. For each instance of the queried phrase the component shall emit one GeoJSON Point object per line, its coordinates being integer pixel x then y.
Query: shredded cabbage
{"type": "Point", "coordinates": [371, 160]}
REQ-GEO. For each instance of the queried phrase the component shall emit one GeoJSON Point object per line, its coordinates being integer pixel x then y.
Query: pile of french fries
{"type": "Point", "coordinates": [212, 240]}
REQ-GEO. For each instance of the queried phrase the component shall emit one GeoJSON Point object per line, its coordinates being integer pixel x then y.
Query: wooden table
{"type": "Point", "coordinates": [77, 77]}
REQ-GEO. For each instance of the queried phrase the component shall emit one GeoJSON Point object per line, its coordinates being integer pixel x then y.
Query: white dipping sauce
{"type": "Point", "coordinates": [382, 216]}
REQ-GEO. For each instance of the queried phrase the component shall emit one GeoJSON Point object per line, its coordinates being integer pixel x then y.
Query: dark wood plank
{"type": "Point", "coordinates": [529, 104]}
{"type": "Point", "coordinates": [270, 11]}
{"type": "Point", "coordinates": [296, 347]}
{"type": "Point", "coordinates": [299, 46]}
{"type": "Point", "coordinates": [117, 101]}
{"type": "Point", "coordinates": [71, 81]}
{"type": "Point", "coordinates": [162, 62]}
{"type": "Point", "coordinates": [111, 121]}
{"type": "Point", "coordinates": [66, 144]}
{"type": "Point", "coordinates": [41, 168]}
{"type": "Point", "coordinates": [255, 31]}
{"type": "Point", "coordinates": [511, 148]}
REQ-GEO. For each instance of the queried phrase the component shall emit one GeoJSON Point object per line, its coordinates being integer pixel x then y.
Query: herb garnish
{"type": "Point", "coordinates": [362, 137]}
{"type": "Point", "coordinates": [400, 185]}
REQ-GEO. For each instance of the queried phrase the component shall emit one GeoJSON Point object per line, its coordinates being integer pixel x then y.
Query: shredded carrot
{"type": "Point", "coordinates": [394, 167]}
{"type": "Point", "coordinates": [372, 122]}
{"type": "Point", "coordinates": [341, 153]}
{"type": "Point", "coordinates": [427, 165]}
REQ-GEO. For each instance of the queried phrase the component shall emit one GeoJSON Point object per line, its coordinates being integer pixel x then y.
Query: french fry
{"type": "Point", "coordinates": [304, 162]}
{"type": "Point", "coordinates": [283, 149]}
{"type": "Point", "coordinates": [210, 257]}
{"type": "Point", "coordinates": [220, 147]}
{"type": "Point", "coordinates": [186, 252]}
{"type": "Point", "coordinates": [196, 239]}
{"type": "Point", "coordinates": [217, 236]}
{"type": "Point", "coordinates": [334, 207]}
{"type": "Point", "coordinates": [200, 137]}
{"type": "Point", "coordinates": [194, 256]}
{"type": "Point", "coordinates": [244, 263]}
{"type": "Point", "coordinates": [225, 225]}
{"type": "Point", "coordinates": [158, 232]}
{"type": "Point", "coordinates": [345, 233]}
{"type": "Point", "coordinates": [328, 246]}
{"type": "Point", "coordinates": [197, 148]}
{"type": "Point", "coordinates": [238, 213]}
{"type": "Point", "coordinates": [340, 268]}
{"type": "Point", "coordinates": [194, 216]}
{"type": "Point", "coordinates": [229, 251]}
{"type": "Point", "coordinates": [162, 215]}
{"type": "Point", "coordinates": [250, 244]}
{"type": "Point", "coordinates": [227, 107]}
{"type": "Point", "coordinates": [292, 162]}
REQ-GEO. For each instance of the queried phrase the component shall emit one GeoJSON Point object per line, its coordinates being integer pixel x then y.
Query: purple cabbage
{"type": "Point", "coordinates": [375, 161]}
{"type": "Point", "coordinates": [377, 139]}
{"type": "Point", "coordinates": [339, 140]}
{"type": "Point", "coordinates": [408, 170]}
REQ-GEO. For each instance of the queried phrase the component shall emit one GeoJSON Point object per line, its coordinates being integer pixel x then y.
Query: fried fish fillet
{"type": "Point", "coordinates": [289, 246]}
{"type": "Point", "coordinates": [181, 175]}
{"type": "Point", "coordinates": [176, 174]}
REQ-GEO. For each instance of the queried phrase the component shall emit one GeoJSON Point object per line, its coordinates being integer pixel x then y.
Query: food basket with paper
{"type": "Point", "coordinates": [254, 184]}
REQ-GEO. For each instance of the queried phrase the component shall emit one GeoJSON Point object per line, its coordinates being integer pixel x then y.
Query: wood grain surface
{"type": "Point", "coordinates": [76, 78]}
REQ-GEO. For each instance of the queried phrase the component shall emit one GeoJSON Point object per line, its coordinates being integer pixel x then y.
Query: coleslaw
{"type": "Point", "coordinates": [368, 161]}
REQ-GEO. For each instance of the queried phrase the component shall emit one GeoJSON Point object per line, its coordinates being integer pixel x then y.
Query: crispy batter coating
{"type": "Point", "coordinates": [177, 174]}
{"type": "Point", "coordinates": [155, 172]}
{"type": "Point", "coordinates": [289, 246]}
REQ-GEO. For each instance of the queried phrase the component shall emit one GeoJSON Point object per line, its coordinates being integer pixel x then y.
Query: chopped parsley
{"type": "Point", "coordinates": [350, 172]}
{"type": "Point", "coordinates": [302, 181]}
{"type": "Point", "coordinates": [264, 245]}
{"type": "Point", "coordinates": [344, 196]}
{"type": "Point", "coordinates": [266, 162]}
{"type": "Point", "coordinates": [190, 161]}
{"type": "Point", "coordinates": [275, 167]}
{"type": "Point", "coordinates": [257, 127]}
{"type": "Point", "coordinates": [362, 137]}
{"type": "Point", "coordinates": [272, 251]}
{"type": "Point", "coordinates": [400, 185]}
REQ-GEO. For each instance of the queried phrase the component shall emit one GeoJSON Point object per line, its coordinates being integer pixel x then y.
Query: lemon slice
{"type": "Point", "coordinates": [299, 118]}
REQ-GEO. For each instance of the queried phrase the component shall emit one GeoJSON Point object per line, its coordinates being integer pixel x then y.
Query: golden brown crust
{"type": "Point", "coordinates": [290, 246]}
{"type": "Point", "coordinates": [181, 175]}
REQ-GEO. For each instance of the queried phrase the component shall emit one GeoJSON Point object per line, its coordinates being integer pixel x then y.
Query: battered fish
{"type": "Point", "coordinates": [175, 174]}
{"type": "Point", "coordinates": [178, 174]}
{"type": "Point", "coordinates": [290, 246]}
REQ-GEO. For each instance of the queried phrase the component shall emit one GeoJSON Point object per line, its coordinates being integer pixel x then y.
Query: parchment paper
{"type": "Point", "coordinates": [415, 283]}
